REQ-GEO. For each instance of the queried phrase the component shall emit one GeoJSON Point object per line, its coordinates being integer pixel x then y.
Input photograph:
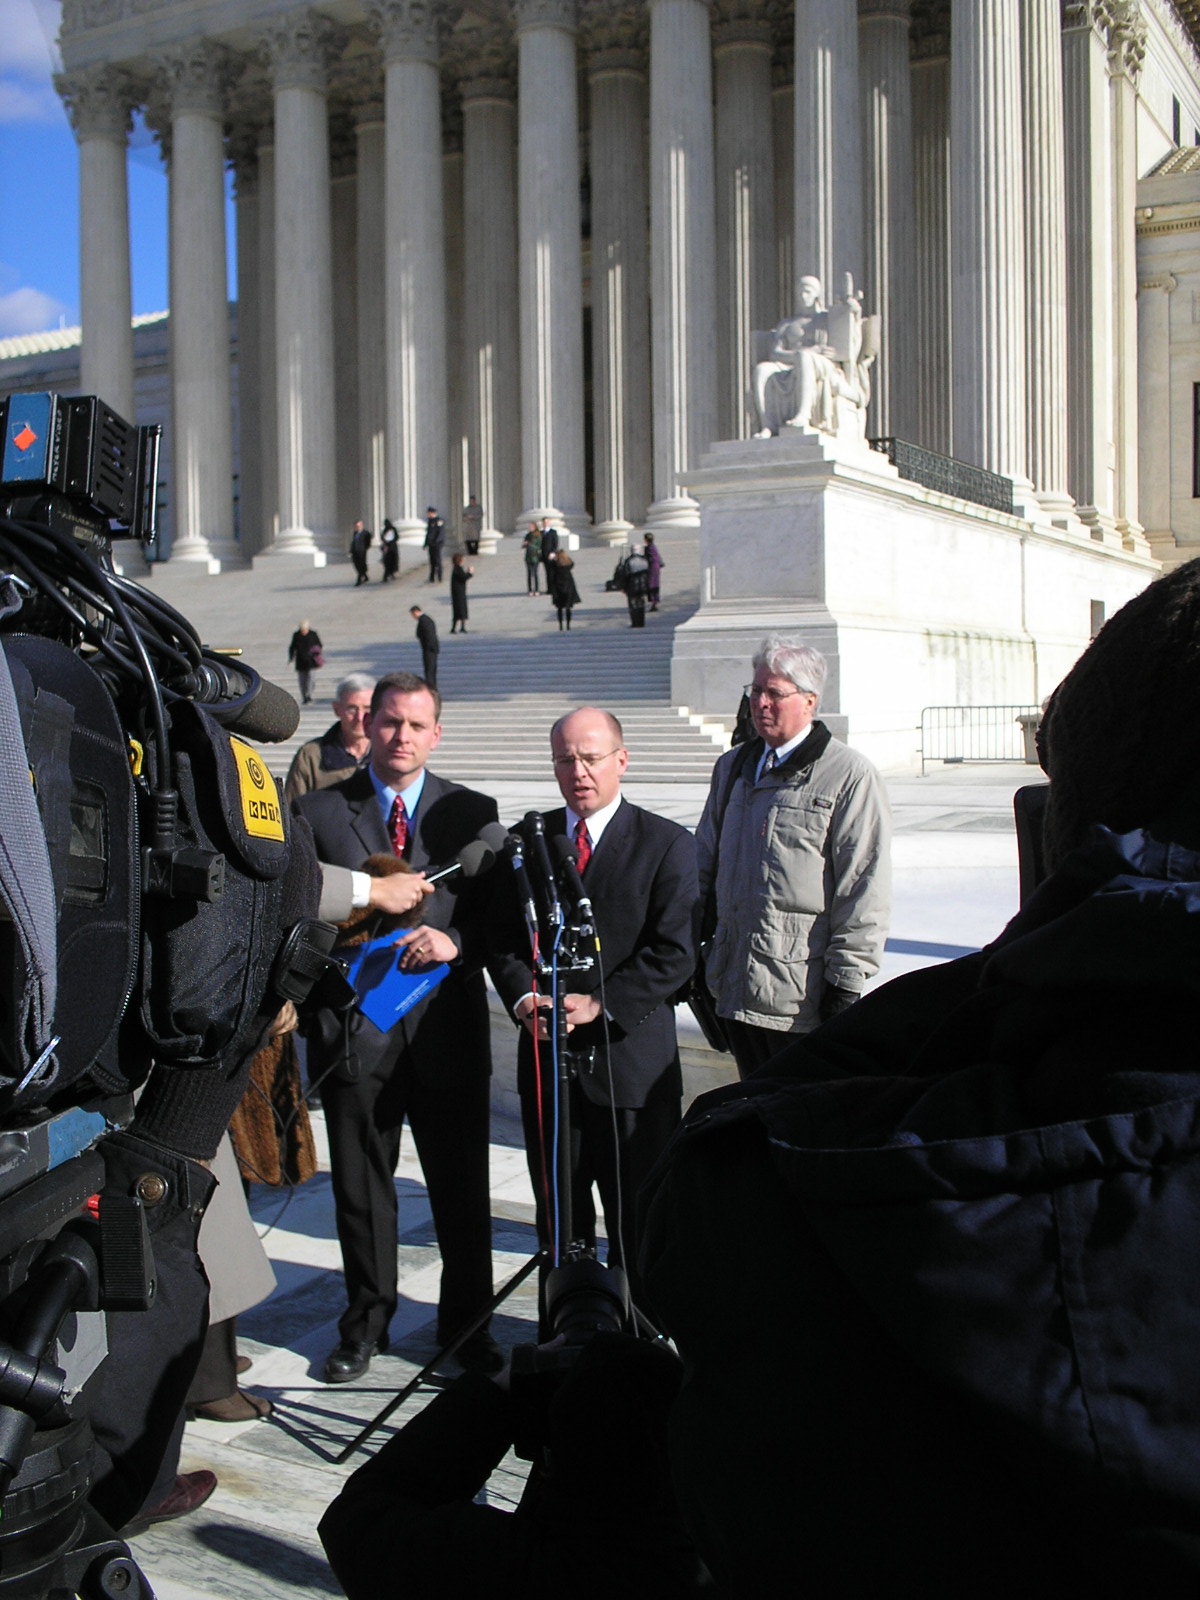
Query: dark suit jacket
{"type": "Point", "coordinates": [427, 636]}
{"type": "Point", "coordinates": [448, 1034]}
{"type": "Point", "coordinates": [643, 885]}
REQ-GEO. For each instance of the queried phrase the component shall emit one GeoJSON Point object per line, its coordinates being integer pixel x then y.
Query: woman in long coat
{"type": "Point", "coordinates": [460, 576]}
{"type": "Point", "coordinates": [563, 592]}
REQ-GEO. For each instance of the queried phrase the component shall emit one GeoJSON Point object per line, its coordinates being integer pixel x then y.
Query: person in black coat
{"type": "Point", "coordinates": [460, 576]}
{"type": "Point", "coordinates": [549, 547]}
{"type": "Point", "coordinates": [427, 638]}
{"type": "Point", "coordinates": [435, 539]}
{"type": "Point", "coordinates": [639, 870]}
{"type": "Point", "coordinates": [433, 1066]}
{"type": "Point", "coordinates": [563, 592]}
{"type": "Point", "coordinates": [305, 651]}
{"type": "Point", "coordinates": [390, 541]}
{"type": "Point", "coordinates": [360, 544]}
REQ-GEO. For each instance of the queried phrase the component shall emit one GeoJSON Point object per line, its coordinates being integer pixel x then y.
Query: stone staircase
{"type": "Point", "coordinates": [502, 692]}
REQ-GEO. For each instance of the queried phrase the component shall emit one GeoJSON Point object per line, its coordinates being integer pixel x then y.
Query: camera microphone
{"type": "Point", "coordinates": [472, 860]}
{"type": "Point", "coordinates": [566, 855]}
{"type": "Point", "coordinates": [241, 701]}
{"type": "Point", "coordinates": [513, 849]}
{"type": "Point", "coordinates": [535, 825]}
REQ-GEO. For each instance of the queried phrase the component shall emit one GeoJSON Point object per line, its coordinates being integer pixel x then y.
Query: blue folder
{"type": "Point", "coordinates": [384, 992]}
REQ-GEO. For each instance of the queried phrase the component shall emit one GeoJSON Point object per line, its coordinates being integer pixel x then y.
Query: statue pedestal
{"type": "Point", "coordinates": [916, 598]}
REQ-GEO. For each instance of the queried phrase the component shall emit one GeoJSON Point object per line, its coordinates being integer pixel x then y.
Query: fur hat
{"type": "Point", "coordinates": [364, 923]}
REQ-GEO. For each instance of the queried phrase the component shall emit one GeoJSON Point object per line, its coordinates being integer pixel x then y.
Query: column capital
{"type": "Point", "coordinates": [930, 33]}
{"type": "Point", "coordinates": [365, 90]}
{"type": "Point", "coordinates": [98, 101]}
{"type": "Point", "coordinates": [528, 14]}
{"type": "Point", "coordinates": [615, 37]}
{"type": "Point", "coordinates": [1166, 281]}
{"type": "Point", "coordinates": [241, 148]}
{"type": "Point", "coordinates": [1126, 40]}
{"type": "Point", "coordinates": [486, 65]}
{"type": "Point", "coordinates": [885, 10]}
{"type": "Point", "coordinates": [783, 38]}
{"type": "Point", "coordinates": [1083, 16]}
{"type": "Point", "coordinates": [196, 77]}
{"type": "Point", "coordinates": [298, 50]}
{"type": "Point", "coordinates": [741, 22]}
{"type": "Point", "coordinates": [411, 30]}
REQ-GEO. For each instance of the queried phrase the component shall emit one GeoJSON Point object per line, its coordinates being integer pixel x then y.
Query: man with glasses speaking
{"type": "Point", "coordinates": [639, 871]}
{"type": "Point", "coordinates": [795, 865]}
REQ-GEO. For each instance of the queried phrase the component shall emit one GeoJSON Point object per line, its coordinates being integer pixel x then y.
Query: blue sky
{"type": "Point", "coordinates": [39, 179]}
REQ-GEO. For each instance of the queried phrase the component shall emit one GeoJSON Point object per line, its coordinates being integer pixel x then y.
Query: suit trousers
{"type": "Point", "coordinates": [429, 660]}
{"type": "Point", "coordinates": [607, 1144]}
{"type": "Point", "coordinates": [450, 1129]}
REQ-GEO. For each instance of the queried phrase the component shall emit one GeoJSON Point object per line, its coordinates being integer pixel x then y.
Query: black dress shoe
{"type": "Point", "coordinates": [352, 1358]}
{"type": "Point", "coordinates": [481, 1353]}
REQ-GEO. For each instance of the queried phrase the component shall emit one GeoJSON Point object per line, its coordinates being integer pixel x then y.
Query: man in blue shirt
{"type": "Point", "coordinates": [433, 1066]}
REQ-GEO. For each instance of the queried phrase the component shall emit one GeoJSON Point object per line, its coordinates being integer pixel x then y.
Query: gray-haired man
{"type": "Point", "coordinates": [796, 837]}
{"type": "Point", "coordinates": [341, 748]}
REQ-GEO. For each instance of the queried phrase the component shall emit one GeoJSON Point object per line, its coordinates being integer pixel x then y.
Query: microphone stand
{"type": "Point", "coordinates": [575, 1248]}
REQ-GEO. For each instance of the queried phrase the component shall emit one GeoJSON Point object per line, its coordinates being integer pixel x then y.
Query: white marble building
{"type": "Point", "coordinates": [520, 249]}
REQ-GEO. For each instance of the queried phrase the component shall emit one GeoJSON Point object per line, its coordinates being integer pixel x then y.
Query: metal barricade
{"type": "Point", "coordinates": [954, 734]}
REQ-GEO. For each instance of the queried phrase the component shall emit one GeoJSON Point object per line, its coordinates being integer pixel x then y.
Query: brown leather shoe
{"type": "Point", "coordinates": [236, 1407]}
{"type": "Point", "coordinates": [190, 1490]}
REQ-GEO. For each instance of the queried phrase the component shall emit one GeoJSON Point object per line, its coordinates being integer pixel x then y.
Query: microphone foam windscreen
{"type": "Point", "coordinates": [475, 858]}
{"type": "Point", "coordinates": [494, 835]}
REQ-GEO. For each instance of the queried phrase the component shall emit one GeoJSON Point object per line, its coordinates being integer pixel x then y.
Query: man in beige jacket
{"type": "Point", "coordinates": [795, 841]}
{"type": "Point", "coordinates": [341, 748]}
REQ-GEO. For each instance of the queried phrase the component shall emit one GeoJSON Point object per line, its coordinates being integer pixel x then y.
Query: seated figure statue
{"type": "Point", "coordinates": [817, 375]}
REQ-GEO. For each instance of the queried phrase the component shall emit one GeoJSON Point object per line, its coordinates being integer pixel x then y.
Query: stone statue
{"type": "Point", "coordinates": [815, 374]}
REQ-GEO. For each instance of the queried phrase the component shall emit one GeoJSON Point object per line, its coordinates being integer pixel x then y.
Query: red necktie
{"type": "Point", "coordinates": [397, 826]}
{"type": "Point", "coordinates": [583, 845]}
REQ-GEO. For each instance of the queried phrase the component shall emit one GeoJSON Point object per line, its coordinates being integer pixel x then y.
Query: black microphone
{"type": "Point", "coordinates": [471, 860]}
{"type": "Point", "coordinates": [566, 855]}
{"type": "Point", "coordinates": [513, 848]}
{"type": "Point", "coordinates": [536, 827]}
{"type": "Point", "coordinates": [242, 702]}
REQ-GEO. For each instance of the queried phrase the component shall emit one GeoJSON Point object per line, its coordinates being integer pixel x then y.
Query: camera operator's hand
{"type": "Point", "coordinates": [399, 892]}
{"type": "Point", "coordinates": [581, 1009]}
{"type": "Point", "coordinates": [524, 1013]}
{"type": "Point", "coordinates": [427, 947]}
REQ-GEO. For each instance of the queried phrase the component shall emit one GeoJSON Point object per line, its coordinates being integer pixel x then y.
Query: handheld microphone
{"type": "Point", "coordinates": [536, 826]}
{"type": "Point", "coordinates": [565, 854]}
{"type": "Point", "coordinates": [499, 838]}
{"type": "Point", "coordinates": [472, 860]}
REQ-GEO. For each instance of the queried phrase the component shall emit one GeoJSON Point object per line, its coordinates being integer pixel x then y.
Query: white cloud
{"type": "Point", "coordinates": [28, 56]}
{"type": "Point", "coordinates": [29, 311]}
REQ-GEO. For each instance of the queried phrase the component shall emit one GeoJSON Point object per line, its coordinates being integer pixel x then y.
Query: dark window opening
{"type": "Point", "coordinates": [1097, 617]}
{"type": "Point", "coordinates": [1176, 121]}
{"type": "Point", "coordinates": [1196, 441]}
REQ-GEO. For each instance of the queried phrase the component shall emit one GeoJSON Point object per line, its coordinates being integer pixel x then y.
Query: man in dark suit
{"type": "Point", "coordinates": [427, 638]}
{"type": "Point", "coordinates": [435, 540]}
{"type": "Point", "coordinates": [639, 870]}
{"type": "Point", "coordinates": [549, 548]}
{"type": "Point", "coordinates": [433, 1066]}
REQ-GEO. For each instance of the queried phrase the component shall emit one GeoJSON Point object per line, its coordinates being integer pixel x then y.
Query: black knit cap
{"type": "Point", "coordinates": [1120, 737]}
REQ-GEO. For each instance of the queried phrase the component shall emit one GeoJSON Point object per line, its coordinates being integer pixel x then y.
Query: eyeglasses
{"type": "Point", "coordinates": [588, 762]}
{"type": "Point", "coordinates": [773, 695]}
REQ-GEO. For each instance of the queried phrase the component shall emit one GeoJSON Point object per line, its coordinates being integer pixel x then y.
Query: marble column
{"type": "Point", "coordinates": [1154, 412]}
{"type": "Point", "coordinates": [343, 207]}
{"type": "Point", "coordinates": [456, 426]}
{"type": "Point", "coordinates": [783, 133]}
{"type": "Point", "coordinates": [827, 145]}
{"type": "Point", "coordinates": [251, 533]}
{"type": "Point", "coordinates": [620, 282]}
{"type": "Point", "coordinates": [414, 265]}
{"type": "Point", "coordinates": [1088, 190]}
{"type": "Point", "coordinates": [1126, 50]}
{"type": "Point", "coordinates": [369, 272]}
{"type": "Point", "coordinates": [202, 453]}
{"type": "Point", "coordinates": [987, 231]}
{"type": "Point", "coordinates": [98, 103]}
{"type": "Point", "coordinates": [683, 306]}
{"type": "Point", "coordinates": [1045, 254]}
{"type": "Point", "coordinates": [931, 230]}
{"type": "Point", "coordinates": [268, 409]}
{"type": "Point", "coordinates": [491, 377]}
{"type": "Point", "coordinates": [550, 264]}
{"type": "Point", "coordinates": [885, 99]}
{"type": "Point", "coordinates": [297, 47]}
{"type": "Point", "coordinates": [745, 193]}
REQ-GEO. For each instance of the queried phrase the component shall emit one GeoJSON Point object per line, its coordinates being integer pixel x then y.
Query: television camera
{"type": "Point", "coordinates": [152, 916]}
